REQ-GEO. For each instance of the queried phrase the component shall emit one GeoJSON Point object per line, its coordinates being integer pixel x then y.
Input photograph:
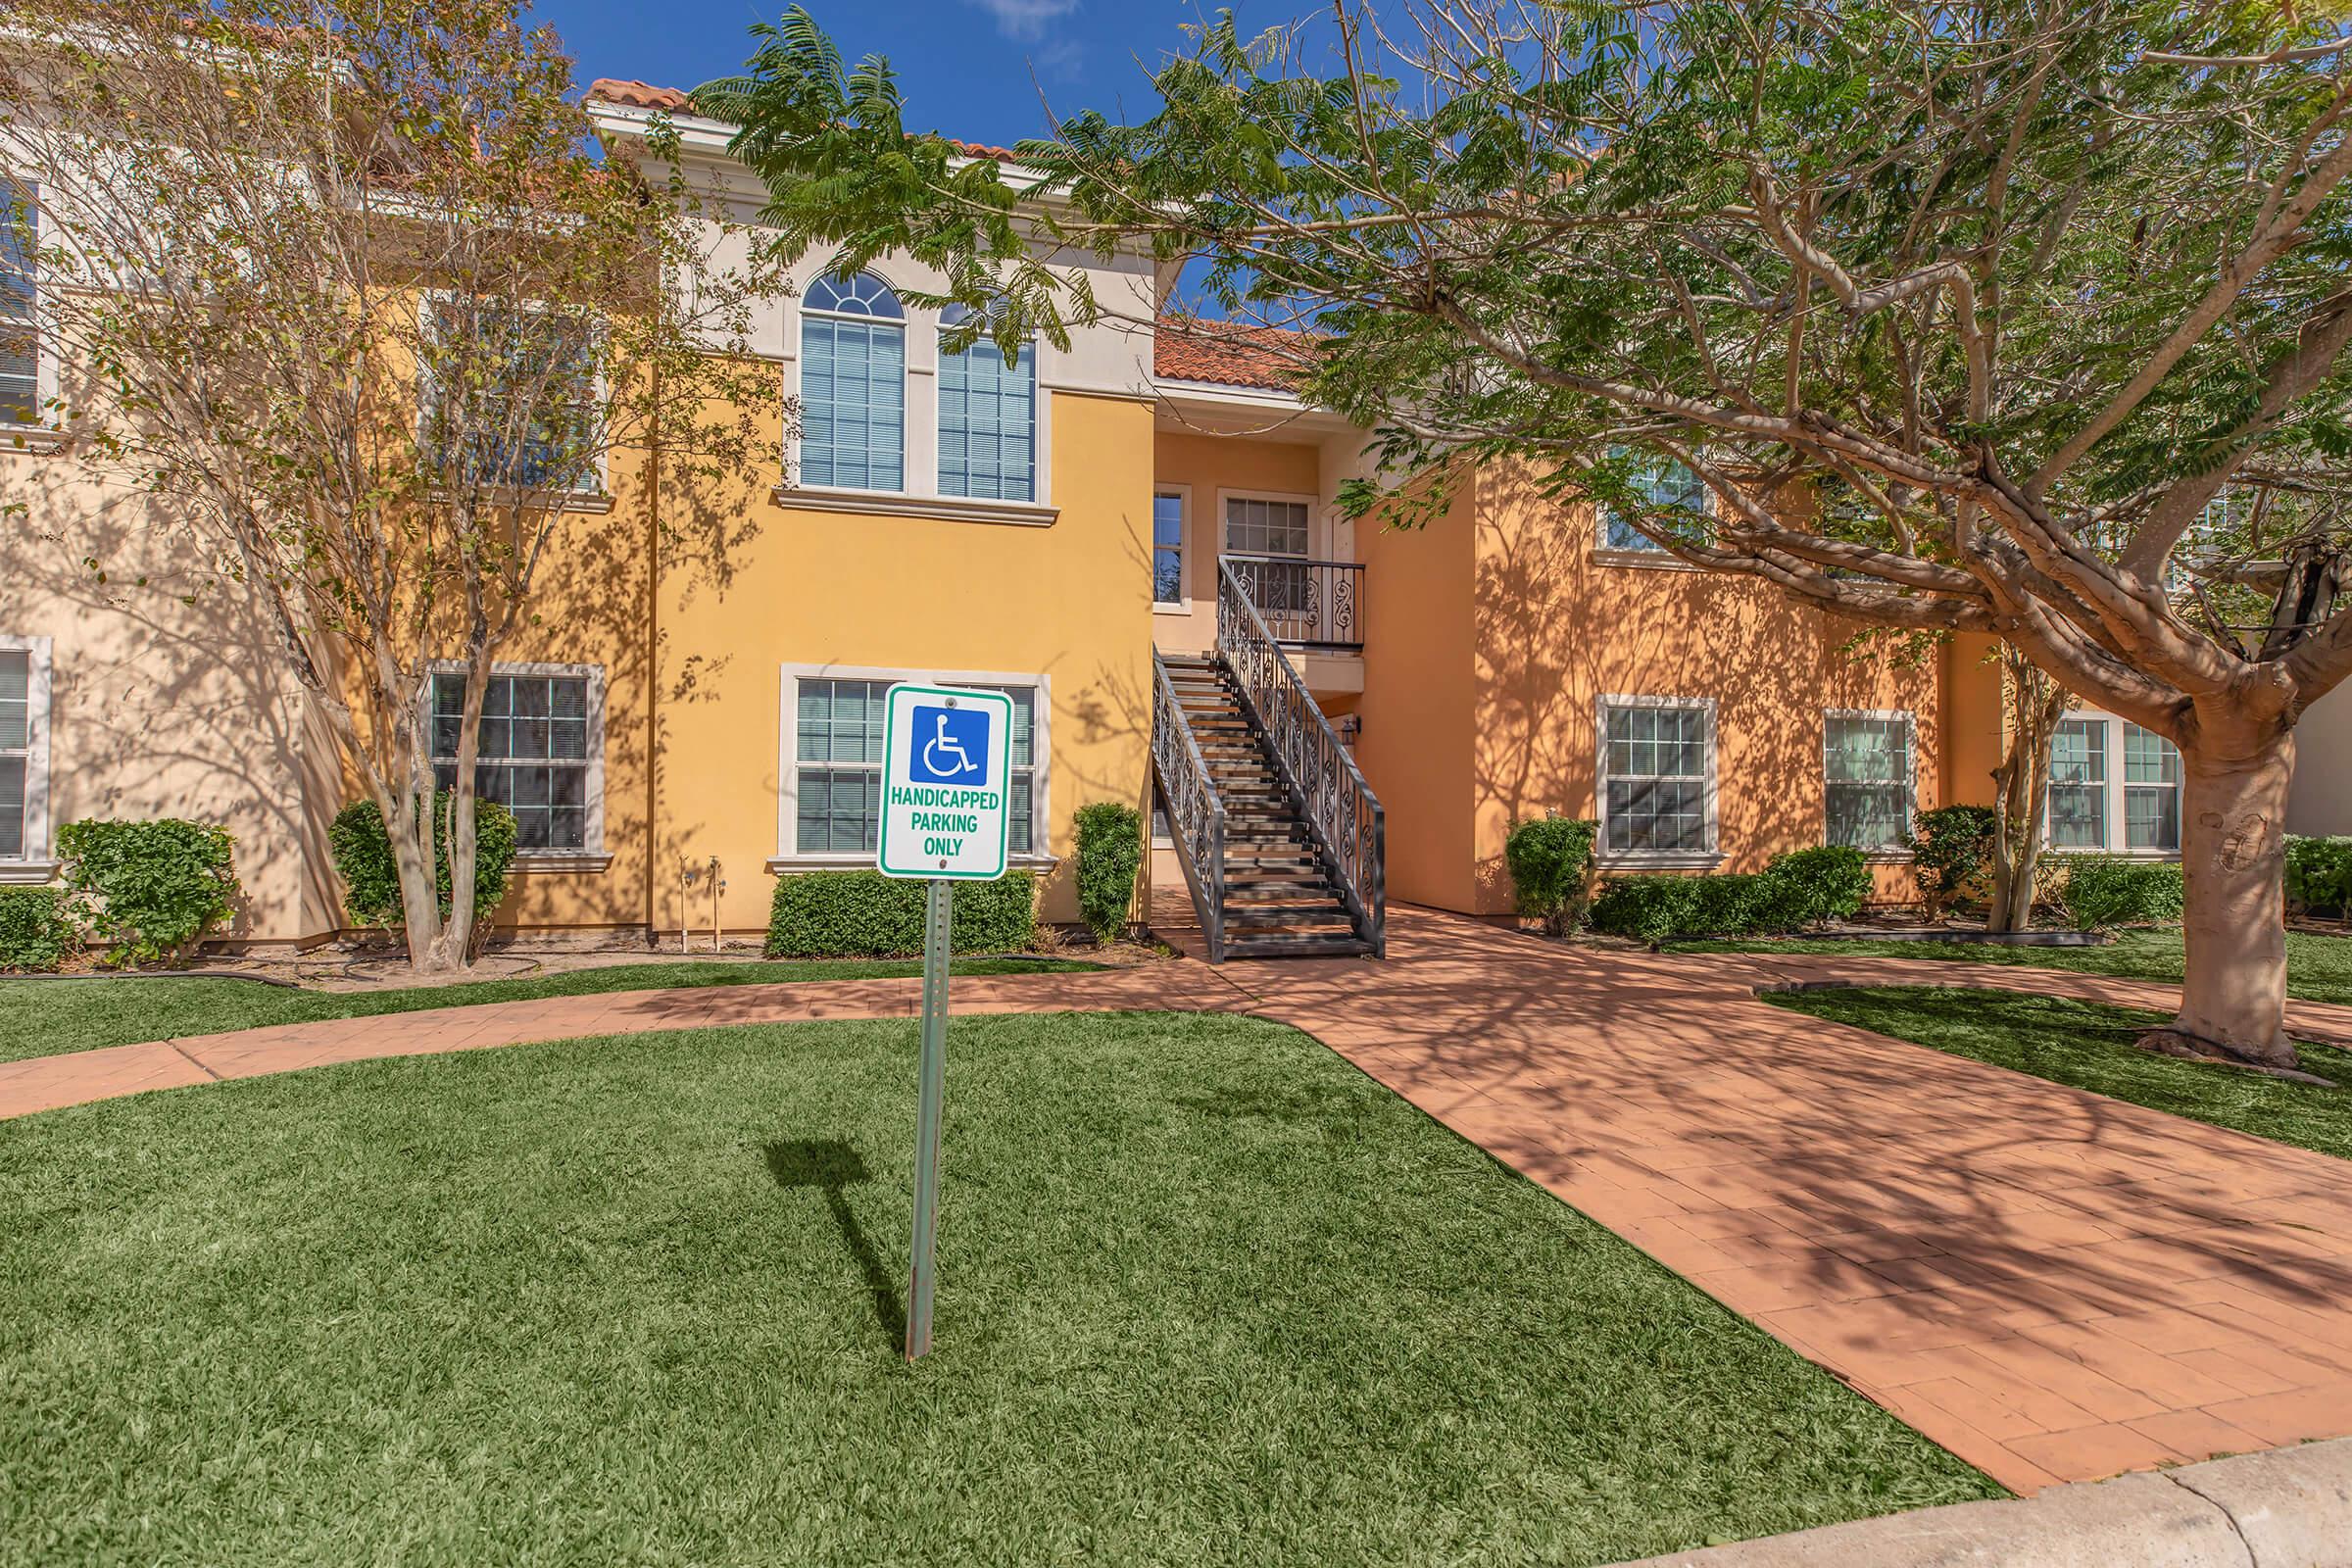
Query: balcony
{"type": "Point", "coordinates": [1315, 606]}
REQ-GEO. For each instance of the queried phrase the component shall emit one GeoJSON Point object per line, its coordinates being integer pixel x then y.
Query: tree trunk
{"type": "Point", "coordinates": [411, 834]}
{"type": "Point", "coordinates": [2233, 855]}
{"type": "Point", "coordinates": [2035, 704]}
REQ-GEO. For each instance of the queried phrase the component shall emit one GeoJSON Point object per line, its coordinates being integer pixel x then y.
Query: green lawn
{"type": "Point", "coordinates": [1207, 1296]}
{"type": "Point", "coordinates": [43, 1017]}
{"type": "Point", "coordinates": [2319, 968]}
{"type": "Point", "coordinates": [2089, 1047]}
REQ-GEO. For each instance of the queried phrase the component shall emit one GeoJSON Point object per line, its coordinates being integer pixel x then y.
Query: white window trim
{"type": "Point", "coordinates": [36, 865]}
{"type": "Point", "coordinates": [2113, 788]}
{"type": "Point", "coordinates": [593, 854]}
{"type": "Point", "coordinates": [1652, 859]}
{"type": "Point", "coordinates": [1185, 533]}
{"type": "Point", "coordinates": [43, 434]}
{"type": "Point", "coordinates": [788, 856]}
{"type": "Point", "coordinates": [599, 498]}
{"type": "Point", "coordinates": [1649, 556]}
{"type": "Point", "coordinates": [1909, 719]}
{"type": "Point", "coordinates": [1226, 497]}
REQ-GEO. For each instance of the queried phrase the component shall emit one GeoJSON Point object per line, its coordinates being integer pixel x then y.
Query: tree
{"type": "Point", "coordinates": [346, 288]}
{"type": "Point", "coordinates": [2028, 284]}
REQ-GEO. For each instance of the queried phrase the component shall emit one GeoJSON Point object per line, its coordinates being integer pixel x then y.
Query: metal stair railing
{"type": "Point", "coordinates": [1195, 815]}
{"type": "Point", "coordinates": [1322, 779]}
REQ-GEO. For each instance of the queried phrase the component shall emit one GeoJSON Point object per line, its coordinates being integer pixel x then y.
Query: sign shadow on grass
{"type": "Point", "coordinates": [829, 1164]}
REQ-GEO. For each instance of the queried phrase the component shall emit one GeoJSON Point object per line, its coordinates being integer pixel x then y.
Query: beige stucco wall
{"type": "Point", "coordinates": [160, 707]}
{"type": "Point", "coordinates": [2322, 800]}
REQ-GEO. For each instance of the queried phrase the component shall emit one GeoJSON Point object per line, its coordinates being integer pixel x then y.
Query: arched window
{"type": "Point", "coordinates": [987, 420]}
{"type": "Point", "coordinates": [853, 385]}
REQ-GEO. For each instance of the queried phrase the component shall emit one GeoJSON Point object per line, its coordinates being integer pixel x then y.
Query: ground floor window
{"type": "Point", "coordinates": [540, 752]}
{"type": "Point", "coordinates": [1657, 775]}
{"type": "Point", "coordinates": [2114, 786]}
{"type": "Point", "coordinates": [24, 748]}
{"type": "Point", "coordinates": [1866, 771]}
{"type": "Point", "coordinates": [833, 759]}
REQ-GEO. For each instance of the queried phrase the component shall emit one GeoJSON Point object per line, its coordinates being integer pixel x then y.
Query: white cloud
{"type": "Point", "coordinates": [1026, 19]}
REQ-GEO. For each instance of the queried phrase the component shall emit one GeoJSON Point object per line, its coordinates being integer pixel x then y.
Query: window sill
{"type": "Point", "coordinates": [28, 873]}
{"type": "Point", "coordinates": [890, 504]}
{"type": "Point", "coordinates": [1162, 606]}
{"type": "Point", "coordinates": [1660, 861]}
{"type": "Point", "coordinates": [31, 440]}
{"type": "Point", "coordinates": [1887, 856]}
{"type": "Point", "coordinates": [588, 500]}
{"type": "Point", "coordinates": [784, 865]}
{"type": "Point", "coordinates": [1643, 559]}
{"type": "Point", "coordinates": [562, 862]}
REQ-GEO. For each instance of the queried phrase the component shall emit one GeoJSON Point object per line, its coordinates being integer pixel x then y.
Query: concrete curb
{"type": "Point", "coordinates": [2283, 1508]}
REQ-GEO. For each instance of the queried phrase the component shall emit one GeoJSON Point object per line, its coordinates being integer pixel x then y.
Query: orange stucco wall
{"type": "Point", "coordinates": [1205, 465]}
{"type": "Point", "coordinates": [1975, 723]}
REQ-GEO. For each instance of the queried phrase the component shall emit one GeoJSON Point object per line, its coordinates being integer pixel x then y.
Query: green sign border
{"type": "Point", "coordinates": [890, 769]}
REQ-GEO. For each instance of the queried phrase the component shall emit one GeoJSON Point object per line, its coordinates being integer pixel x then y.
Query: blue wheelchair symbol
{"type": "Point", "coordinates": [951, 745]}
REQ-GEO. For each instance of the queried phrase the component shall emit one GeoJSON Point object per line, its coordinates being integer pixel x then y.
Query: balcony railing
{"type": "Point", "coordinates": [1305, 604]}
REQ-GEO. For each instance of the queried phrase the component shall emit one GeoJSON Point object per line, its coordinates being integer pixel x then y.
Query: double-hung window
{"type": "Point", "coordinates": [541, 750]}
{"type": "Point", "coordinates": [1868, 779]}
{"type": "Point", "coordinates": [1270, 536]}
{"type": "Point", "coordinates": [853, 385]}
{"type": "Point", "coordinates": [20, 295]}
{"type": "Point", "coordinates": [2114, 786]}
{"type": "Point", "coordinates": [511, 395]}
{"type": "Point", "coordinates": [1657, 776]}
{"type": "Point", "coordinates": [834, 759]}
{"type": "Point", "coordinates": [23, 752]}
{"type": "Point", "coordinates": [1659, 483]}
{"type": "Point", "coordinates": [987, 420]}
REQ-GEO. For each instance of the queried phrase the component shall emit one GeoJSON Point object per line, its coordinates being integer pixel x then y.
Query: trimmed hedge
{"type": "Point", "coordinates": [2103, 890]}
{"type": "Point", "coordinates": [1805, 887]}
{"type": "Point", "coordinates": [864, 914]}
{"type": "Point", "coordinates": [2319, 875]}
{"type": "Point", "coordinates": [35, 933]}
{"type": "Point", "coordinates": [1110, 850]}
{"type": "Point", "coordinates": [150, 891]}
{"type": "Point", "coordinates": [363, 852]}
{"type": "Point", "coordinates": [1550, 861]}
{"type": "Point", "coordinates": [1951, 854]}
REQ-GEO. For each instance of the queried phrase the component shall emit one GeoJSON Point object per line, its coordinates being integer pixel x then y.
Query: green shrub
{"type": "Point", "coordinates": [864, 914]}
{"type": "Point", "coordinates": [1645, 909]}
{"type": "Point", "coordinates": [150, 891]}
{"type": "Point", "coordinates": [363, 854]}
{"type": "Point", "coordinates": [1723, 905]}
{"type": "Point", "coordinates": [1951, 854]}
{"type": "Point", "coordinates": [2319, 875]}
{"type": "Point", "coordinates": [35, 933]}
{"type": "Point", "coordinates": [1811, 886]}
{"type": "Point", "coordinates": [2103, 890]}
{"type": "Point", "coordinates": [1110, 850]}
{"type": "Point", "coordinates": [1550, 861]}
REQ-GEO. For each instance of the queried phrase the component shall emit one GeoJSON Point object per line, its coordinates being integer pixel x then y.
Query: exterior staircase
{"type": "Point", "coordinates": [1279, 895]}
{"type": "Point", "coordinates": [1284, 846]}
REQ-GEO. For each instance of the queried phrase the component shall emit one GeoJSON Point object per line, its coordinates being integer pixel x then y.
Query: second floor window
{"type": "Point", "coordinates": [509, 397]}
{"type": "Point", "coordinates": [20, 339]}
{"type": "Point", "coordinates": [537, 756]}
{"type": "Point", "coordinates": [987, 420]}
{"type": "Point", "coordinates": [1167, 548]}
{"type": "Point", "coordinates": [1660, 483]}
{"type": "Point", "coordinates": [853, 385]}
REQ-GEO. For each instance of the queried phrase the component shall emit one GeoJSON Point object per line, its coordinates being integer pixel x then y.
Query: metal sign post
{"type": "Point", "coordinates": [946, 789]}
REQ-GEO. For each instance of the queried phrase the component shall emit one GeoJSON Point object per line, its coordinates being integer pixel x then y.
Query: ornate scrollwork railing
{"type": "Point", "coordinates": [1306, 603]}
{"type": "Point", "coordinates": [1322, 779]}
{"type": "Point", "coordinates": [1195, 815]}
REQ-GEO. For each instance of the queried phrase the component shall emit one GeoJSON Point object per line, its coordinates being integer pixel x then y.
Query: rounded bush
{"type": "Point", "coordinates": [1811, 886]}
{"type": "Point", "coordinates": [1550, 861]}
{"type": "Point", "coordinates": [153, 891]}
{"type": "Point", "coordinates": [363, 854]}
{"type": "Point", "coordinates": [2319, 875]}
{"type": "Point", "coordinates": [35, 934]}
{"type": "Point", "coordinates": [2103, 890]}
{"type": "Point", "coordinates": [1951, 852]}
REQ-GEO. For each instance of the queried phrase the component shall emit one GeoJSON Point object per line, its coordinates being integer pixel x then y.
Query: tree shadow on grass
{"type": "Point", "coordinates": [829, 1164]}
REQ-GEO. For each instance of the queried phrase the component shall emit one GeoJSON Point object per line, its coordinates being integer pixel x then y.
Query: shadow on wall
{"type": "Point", "coordinates": [1558, 630]}
{"type": "Point", "coordinates": [169, 695]}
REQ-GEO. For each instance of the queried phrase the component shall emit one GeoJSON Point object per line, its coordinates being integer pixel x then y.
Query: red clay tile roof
{"type": "Point", "coordinates": [645, 95]}
{"type": "Point", "coordinates": [1227, 353]}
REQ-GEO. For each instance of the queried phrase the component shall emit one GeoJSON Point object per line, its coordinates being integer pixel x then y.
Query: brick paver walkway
{"type": "Point", "coordinates": [2053, 1285]}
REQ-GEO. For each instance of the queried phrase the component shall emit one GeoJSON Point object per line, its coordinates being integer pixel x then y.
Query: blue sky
{"type": "Point", "coordinates": [974, 69]}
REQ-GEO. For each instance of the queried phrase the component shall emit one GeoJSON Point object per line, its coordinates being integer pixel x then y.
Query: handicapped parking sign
{"type": "Point", "coordinates": [945, 811]}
